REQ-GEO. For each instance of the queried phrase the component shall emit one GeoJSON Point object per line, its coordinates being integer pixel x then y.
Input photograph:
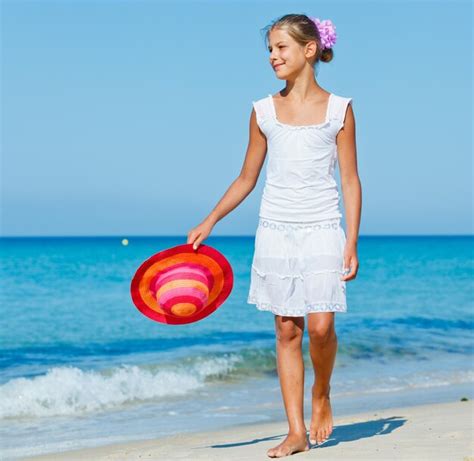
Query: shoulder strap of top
{"type": "Point", "coordinates": [339, 108]}
{"type": "Point", "coordinates": [262, 109]}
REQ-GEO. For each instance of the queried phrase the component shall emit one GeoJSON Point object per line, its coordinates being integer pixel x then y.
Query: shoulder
{"type": "Point", "coordinates": [339, 105]}
{"type": "Point", "coordinates": [338, 110]}
{"type": "Point", "coordinates": [262, 106]}
{"type": "Point", "coordinates": [261, 101]}
{"type": "Point", "coordinates": [263, 113]}
{"type": "Point", "coordinates": [338, 99]}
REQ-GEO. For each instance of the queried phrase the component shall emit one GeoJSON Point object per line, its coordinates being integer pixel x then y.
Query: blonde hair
{"type": "Point", "coordinates": [303, 30]}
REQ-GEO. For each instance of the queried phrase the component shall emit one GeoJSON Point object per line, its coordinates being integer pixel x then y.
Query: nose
{"type": "Point", "coordinates": [273, 56]}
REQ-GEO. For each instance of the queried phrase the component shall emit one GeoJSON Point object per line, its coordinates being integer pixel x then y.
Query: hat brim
{"type": "Point", "coordinates": [214, 262]}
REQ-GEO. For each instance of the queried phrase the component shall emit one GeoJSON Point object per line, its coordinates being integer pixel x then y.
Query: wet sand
{"type": "Point", "coordinates": [432, 432]}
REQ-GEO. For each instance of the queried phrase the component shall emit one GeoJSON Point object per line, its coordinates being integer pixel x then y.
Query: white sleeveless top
{"type": "Point", "coordinates": [300, 185]}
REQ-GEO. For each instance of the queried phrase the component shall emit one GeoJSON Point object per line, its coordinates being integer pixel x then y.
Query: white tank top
{"type": "Point", "coordinates": [300, 184]}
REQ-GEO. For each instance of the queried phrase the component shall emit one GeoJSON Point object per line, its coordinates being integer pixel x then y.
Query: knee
{"type": "Point", "coordinates": [289, 334]}
{"type": "Point", "coordinates": [322, 333]}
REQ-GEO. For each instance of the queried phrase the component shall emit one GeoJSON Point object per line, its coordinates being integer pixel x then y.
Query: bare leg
{"type": "Point", "coordinates": [323, 348]}
{"type": "Point", "coordinates": [289, 337]}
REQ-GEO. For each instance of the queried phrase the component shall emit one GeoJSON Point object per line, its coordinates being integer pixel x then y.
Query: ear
{"type": "Point", "coordinates": [311, 49]}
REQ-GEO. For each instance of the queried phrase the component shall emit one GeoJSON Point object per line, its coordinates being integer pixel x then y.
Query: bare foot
{"type": "Point", "coordinates": [321, 419]}
{"type": "Point", "coordinates": [293, 443]}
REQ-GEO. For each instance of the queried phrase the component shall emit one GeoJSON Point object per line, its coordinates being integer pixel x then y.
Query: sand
{"type": "Point", "coordinates": [431, 432]}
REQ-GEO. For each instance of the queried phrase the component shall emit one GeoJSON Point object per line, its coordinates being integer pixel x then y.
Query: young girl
{"type": "Point", "coordinates": [301, 250]}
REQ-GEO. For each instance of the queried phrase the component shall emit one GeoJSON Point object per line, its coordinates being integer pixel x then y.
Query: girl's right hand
{"type": "Point", "coordinates": [199, 233]}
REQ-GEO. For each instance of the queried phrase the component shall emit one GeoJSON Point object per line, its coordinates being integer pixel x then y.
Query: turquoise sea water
{"type": "Point", "coordinates": [81, 366]}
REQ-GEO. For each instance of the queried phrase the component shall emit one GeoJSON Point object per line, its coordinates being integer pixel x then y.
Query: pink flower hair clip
{"type": "Point", "coordinates": [327, 31]}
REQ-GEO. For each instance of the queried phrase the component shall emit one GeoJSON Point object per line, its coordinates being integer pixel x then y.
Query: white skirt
{"type": "Point", "coordinates": [297, 267]}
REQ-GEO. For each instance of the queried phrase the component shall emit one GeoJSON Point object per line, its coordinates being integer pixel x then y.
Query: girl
{"type": "Point", "coordinates": [301, 250]}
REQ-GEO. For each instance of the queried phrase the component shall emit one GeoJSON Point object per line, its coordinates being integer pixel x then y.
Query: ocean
{"type": "Point", "coordinates": [81, 366]}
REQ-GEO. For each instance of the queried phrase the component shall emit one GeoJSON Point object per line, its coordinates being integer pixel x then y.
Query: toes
{"type": "Point", "coordinates": [329, 431]}
{"type": "Point", "coordinates": [278, 452]}
{"type": "Point", "coordinates": [271, 453]}
{"type": "Point", "coordinates": [275, 452]}
{"type": "Point", "coordinates": [322, 436]}
{"type": "Point", "coordinates": [325, 435]}
{"type": "Point", "coordinates": [317, 438]}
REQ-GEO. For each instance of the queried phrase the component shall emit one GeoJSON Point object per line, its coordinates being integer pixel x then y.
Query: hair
{"type": "Point", "coordinates": [303, 30]}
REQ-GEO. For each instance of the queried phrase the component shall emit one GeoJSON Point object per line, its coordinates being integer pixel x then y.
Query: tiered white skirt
{"type": "Point", "coordinates": [297, 267]}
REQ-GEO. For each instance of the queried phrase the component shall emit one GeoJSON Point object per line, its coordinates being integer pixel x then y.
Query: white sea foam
{"type": "Point", "coordinates": [72, 391]}
{"type": "Point", "coordinates": [410, 381]}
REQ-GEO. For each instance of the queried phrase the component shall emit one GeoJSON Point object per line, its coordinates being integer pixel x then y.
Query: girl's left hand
{"type": "Point", "coordinates": [350, 262]}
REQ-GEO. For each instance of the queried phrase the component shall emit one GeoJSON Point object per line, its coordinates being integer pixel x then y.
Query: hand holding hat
{"type": "Point", "coordinates": [199, 233]}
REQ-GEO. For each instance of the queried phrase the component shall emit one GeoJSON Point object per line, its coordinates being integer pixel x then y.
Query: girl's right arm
{"type": "Point", "coordinates": [240, 187]}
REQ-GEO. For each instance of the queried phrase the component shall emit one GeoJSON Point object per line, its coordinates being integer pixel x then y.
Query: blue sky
{"type": "Point", "coordinates": [131, 117]}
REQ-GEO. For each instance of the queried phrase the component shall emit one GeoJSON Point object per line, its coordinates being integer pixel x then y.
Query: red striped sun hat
{"type": "Point", "coordinates": [182, 285]}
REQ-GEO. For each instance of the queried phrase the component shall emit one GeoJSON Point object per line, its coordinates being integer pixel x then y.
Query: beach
{"type": "Point", "coordinates": [441, 431]}
{"type": "Point", "coordinates": [83, 369]}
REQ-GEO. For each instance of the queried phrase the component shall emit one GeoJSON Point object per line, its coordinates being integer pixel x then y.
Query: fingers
{"type": "Point", "coordinates": [351, 274]}
{"type": "Point", "coordinates": [345, 267]}
{"type": "Point", "coordinates": [350, 269]}
{"type": "Point", "coordinates": [194, 239]}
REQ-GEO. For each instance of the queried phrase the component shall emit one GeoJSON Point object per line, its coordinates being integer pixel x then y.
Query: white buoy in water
{"type": "Point", "coordinates": [124, 242]}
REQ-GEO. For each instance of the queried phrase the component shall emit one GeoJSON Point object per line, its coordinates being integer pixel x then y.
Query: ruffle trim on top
{"type": "Point", "coordinates": [327, 120]}
{"type": "Point", "coordinates": [318, 126]}
{"type": "Point", "coordinates": [266, 114]}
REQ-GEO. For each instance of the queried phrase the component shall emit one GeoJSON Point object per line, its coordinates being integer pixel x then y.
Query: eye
{"type": "Point", "coordinates": [279, 46]}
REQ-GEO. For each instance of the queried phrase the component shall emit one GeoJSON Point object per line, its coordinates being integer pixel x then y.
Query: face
{"type": "Point", "coordinates": [287, 57]}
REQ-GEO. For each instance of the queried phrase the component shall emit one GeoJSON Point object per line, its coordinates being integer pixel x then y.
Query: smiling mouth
{"type": "Point", "coordinates": [277, 66]}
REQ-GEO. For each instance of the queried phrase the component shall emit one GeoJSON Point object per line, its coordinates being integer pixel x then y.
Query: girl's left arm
{"type": "Point", "coordinates": [351, 189]}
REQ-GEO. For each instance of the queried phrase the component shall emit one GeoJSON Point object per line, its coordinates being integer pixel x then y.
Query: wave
{"type": "Point", "coordinates": [72, 391]}
{"type": "Point", "coordinates": [69, 390]}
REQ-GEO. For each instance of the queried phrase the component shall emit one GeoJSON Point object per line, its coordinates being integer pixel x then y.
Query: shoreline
{"type": "Point", "coordinates": [435, 431]}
